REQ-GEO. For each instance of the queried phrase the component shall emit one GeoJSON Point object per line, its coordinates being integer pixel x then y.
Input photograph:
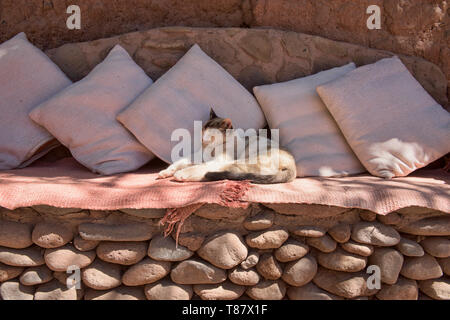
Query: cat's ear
{"type": "Point", "coordinates": [212, 114]}
{"type": "Point", "coordinates": [228, 123]}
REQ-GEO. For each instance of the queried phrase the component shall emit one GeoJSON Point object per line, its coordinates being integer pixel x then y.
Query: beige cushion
{"type": "Point", "coordinates": [184, 94]}
{"type": "Point", "coordinates": [27, 78]}
{"type": "Point", "coordinates": [307, 129]}
{"type": "Point", "coordinates": [83, 116]}
{"type": "Point", "coordinates": [393, 125]}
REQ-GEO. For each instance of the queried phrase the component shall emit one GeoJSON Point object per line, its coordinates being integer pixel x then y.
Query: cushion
{"type": "Point", "coordinates": [27, 78]}
{"type": "Point", "coordinates": [83, 116]}
{"type": "Point", "coordinates": [307, 128]}
{"type": "Point", "coordinates": [393, 125]}
{"type": "Point", "coordinates": [185, 94]}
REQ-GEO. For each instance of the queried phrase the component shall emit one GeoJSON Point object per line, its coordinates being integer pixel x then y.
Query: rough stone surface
{"type": "Point", "coordinates": [375, 233]}
{"type": "Point", "coordinates": [251, 261]}
{"type": "Point", "coordinates": [145, 272]}
{"type": "Point", "coordinates": [392, 218]}
{"type": "Point", "coordinates": [165, 249]}
{"type": "Point", "coordinates": [291, 250]}
{"type": "Point", "coordinates": [101, 275]}
{"type": "Point", "coordinates": [244, 277]}
{"type": "Point", "coordinates": [438, 289]}
{"type": "Point", "coordinates": [84, 245]}
{"type": "Point", "coordinates": [325, 244]}
{"type": "Point", "coordinates": [368, 215]}
{"type": "Point", "coordinates": [390, 262]}
{"type": "Point", "coordinates": [15, 235]}
{"type": "Point", "coordinates": [341, 260]}
{"type": "Point", "coordinates": [403, 289]}
{"type": "Point", "coordinates": [54, 290]}
{"type": "Point", "coordinates": [224, 250]}
{"type": "Point", "coordinates": [270, 239]}
{"type": "Point", "coordinates": [120, 293]}
{"type": "Point", "coordinates": [267, 290]}
{"type": "Point", "coordinates": [192, 240]}
{"type": "Point", "coordinates": [14, 290]}
{"type": "Point", "coordinates": [444, 263]}
{"type": "Point", "coordinates": [168, 290]}
{"type": "Point", "coordinates": [310, 292]}
{"type": "Point", "coordinates": [36, 275]}
{"type": "Point", "coordinates": [60, 259]}
{"type": "Point", "coordinates": [125, 253]}
{"type": "Point", "coordinates": [222, 291]}
{"type": "Point", "coordinates": [361, 249]}
{"type": "Point", "coordinates": [194, 271]}
{"type": "Point", "coordinates": [268, 267]}
{"type": "Point", "coordinates": [28, 257]}
{"type": "Point", "coordinates": [216, 212]}
{"type": "Point", "coordinates": [115, 232]}
{"type": "Point", "coordinates": [410, 248]}
{"type": "Point", "coordinates": [435, 226]}
{"type": "Point", "coordinates": [261, 221]}
{"type": "Point", "coordinates": [438, 247]}
{"type": "Point", "coordinates": [309, 231]}
{"type": "Point", "coordinates": [9, 272]}
{"type": "Point", "coordinates": [51, 235]}
{"type": "Point", "coordinates": [344, 284]}
{"type": "Point", "coordinates": [300, 272]}
{"type": "Point", "coordinates": [145, 213]}
{"type": "Point", "coordinates": [421, 268]}
{"type": "Point", "coordinates": [341, 232]}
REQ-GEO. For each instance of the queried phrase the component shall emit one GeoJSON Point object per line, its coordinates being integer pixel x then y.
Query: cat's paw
{"type": "Point", "coordinates": [167, 173]}
{"type": "Point", "coordinates": [187, 175]}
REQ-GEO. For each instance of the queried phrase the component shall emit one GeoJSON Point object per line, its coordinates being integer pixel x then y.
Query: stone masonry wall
{"type": "Point", "coordinates": [297, 252]}
{"type": "Point", "coordinates": [411, 27]}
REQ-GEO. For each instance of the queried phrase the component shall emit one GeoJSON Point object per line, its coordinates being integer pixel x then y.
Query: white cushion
{"type": "Point", "coordinates": [185, 94]}
{"type": "Point", "coordinates": [393, 125]}
{"type": "Point", "coordinates": [27, 78]}
{"type": "Point", "coordinates": [307, 129]}
{"type": "Point", "coordinates": [83, 116]}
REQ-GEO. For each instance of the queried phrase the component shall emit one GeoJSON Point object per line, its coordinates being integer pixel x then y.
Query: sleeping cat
{"type": "Point", "coordinates": [242, 163]}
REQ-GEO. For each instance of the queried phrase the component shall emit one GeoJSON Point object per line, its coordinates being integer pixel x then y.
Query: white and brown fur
{"type": "Point", "coordinates": [264, 169]}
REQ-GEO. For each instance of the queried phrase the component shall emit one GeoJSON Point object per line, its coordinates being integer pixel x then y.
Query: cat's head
{"type": "Point", "coordinates": [214, 126]}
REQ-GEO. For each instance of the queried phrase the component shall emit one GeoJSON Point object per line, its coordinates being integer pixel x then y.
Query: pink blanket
{"type": "Point", "coordinates": [66, 184]}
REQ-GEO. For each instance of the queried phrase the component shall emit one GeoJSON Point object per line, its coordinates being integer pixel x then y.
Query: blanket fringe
{"type": "Point", "coordinates": [230, 197]}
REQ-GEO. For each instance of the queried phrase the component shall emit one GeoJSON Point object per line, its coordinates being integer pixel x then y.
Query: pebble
{"type": "Point", "coordinates": [438, 247]}
{"type": "Point", "coordinates": [309, 231]}
{"type": "Point", "coordinates": [268, 267]}
{"type": "Point", "coordinates": [261, 221]}
{"type": "Point", "coordinates": [403, 289]}
{"type": "Point", "coordinates": [9, 272]}
{"type": "Point", "coordinates": [84, 245]}
{"type": "Point", "coordinates": [145, 272]}
{"type": "Point", "coordinates": [341, 232]}
{"type": "Point", "coordinates": [54, 290]}
{"type": "Point", "coordinates": [421, 268]}
{"type": "Point", "coordinates": [165, 249]}
{"type": "Point", "coordinates": [27, 257]}
{"type": "Point", "coordinates": [251, 261]}
{"type": "Point", "coordinates": [120, 293]}
{"type": "Point", "coordinates": [167, 290]}
{"type": "Point", "coordinates": [291, 250]}
{"type": "Point", "coordinates": [192, 240]}
{"type": "Point", "coordinates": [267, 290]}
{"type": "Point", "coordinates": [389, 261]}
{"type": "Point", "coordinates": [325, 244]}
{"type": "Point", "coordinates": [124, 253]}
{"type": "Point", "coordinates": [222, 291]}
{"type": "Point", "coordinates": [438, 289]}
{"type": "Point", "coordinates": [367, 215]}
{"type": "Point", "coordinates": [14, 290]}
{"type": "Point", "coordinates": [51, 235]}
{"type": "Point", "coordinates": [194, 271]}
{"type": "Point", "coordinates": [15, 235]}
{"type": "Point", "coordinates": [244, 277]}
{"type": "Point", "coordinates": [270, 239]}
{"type": "Point", "coordinates": [224, 250]}
{"type": "Point", "coordinates": [410, 248]}
{"type": "Point", "coordinates": [375, 233]}
{"type": "Point", "coordinates": [101, 275]}
{"type": "Point", "coordinates": [341, 260]}
{"type": "Point", "coordinates": [310, 292]}
{"type": "Point", "coordinates": [435, 226]}
{"type": "Point", "coordinates": [444, 263]}
{"type": "Point", "coordinates": [392, 218]}
{"type": "Point", "coordinates": [361, 249]}
{"type": "Point", "coordinates": [115, 232]}
{"type": "Point", "coordinates": [300, 272]}
{"type": "Point", "coordinates": [60, 259]}
{"type": "Point", "coordinates": [36, 275]}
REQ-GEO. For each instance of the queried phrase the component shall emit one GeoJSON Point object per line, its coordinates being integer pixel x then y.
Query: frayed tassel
{"type": "Point", "coordinates": [177, 216]}
{"type": "Point", "coordinates": [233, 193]}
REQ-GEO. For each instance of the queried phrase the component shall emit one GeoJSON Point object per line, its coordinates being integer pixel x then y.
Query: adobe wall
{"type": "Point", "coordinates": [262, 252]}
{"type": "Point", "coordinates": [411, 27]}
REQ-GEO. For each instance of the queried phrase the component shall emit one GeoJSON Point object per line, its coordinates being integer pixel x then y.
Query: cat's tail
{"type": "Point", "coordinates": [282, 176]}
